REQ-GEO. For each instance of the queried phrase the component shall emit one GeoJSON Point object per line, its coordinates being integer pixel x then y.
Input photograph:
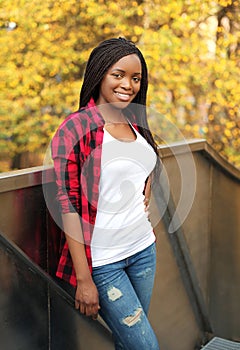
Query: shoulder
{"type": "Point", "coordinates": [75, 120]}
{"type": "Point", "coordinates": [79, 127]}
{"type": "Point", "coordinates": [85, 119]}
{"type": "Point", "coordinates": [76, 124]}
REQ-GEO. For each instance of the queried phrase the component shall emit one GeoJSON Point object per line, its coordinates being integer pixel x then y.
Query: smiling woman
{"type": "Point", "coordinates": [118, 88]}
{"type": "Point", "coordinates": [105, 159]}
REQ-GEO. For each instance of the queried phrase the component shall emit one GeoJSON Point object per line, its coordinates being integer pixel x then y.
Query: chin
{"type": "Point", "coordinates": [120, 104]}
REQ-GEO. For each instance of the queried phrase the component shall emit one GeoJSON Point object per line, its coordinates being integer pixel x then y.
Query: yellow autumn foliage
{"type": "Point", "coordinates": [191, 48]}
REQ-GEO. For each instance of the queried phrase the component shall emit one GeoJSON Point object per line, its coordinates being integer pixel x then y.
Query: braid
{"type": "Point", "coordinates": [100, 60]}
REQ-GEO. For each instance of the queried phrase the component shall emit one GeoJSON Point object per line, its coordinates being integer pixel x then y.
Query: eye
{"type": "Point", "coordinates": [117, 75]}
{"type": "Point", "coordinates": [136, 79]}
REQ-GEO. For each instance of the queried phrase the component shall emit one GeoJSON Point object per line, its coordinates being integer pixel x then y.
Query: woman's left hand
{"type": "Point", "coordinates": [146, 203]}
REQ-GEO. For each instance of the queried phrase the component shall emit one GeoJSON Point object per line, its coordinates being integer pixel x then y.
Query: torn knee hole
{"type": "Point", "coordinates": [133, 319]}
{"type": "Point", "coordinates": [114, 293]}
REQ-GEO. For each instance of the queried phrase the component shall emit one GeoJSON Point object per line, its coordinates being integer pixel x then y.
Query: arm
{"type": "Point", "coordinates": [147, 194]}
{"type": "Point", "coordinates": [86, 297]}
{"type": "Point", "coordinates": [66, 165]}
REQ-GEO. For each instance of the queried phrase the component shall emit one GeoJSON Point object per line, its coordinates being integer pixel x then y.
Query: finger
{"type": "Point", "coordinates": [77, 304]}
{"type": "Point", "coordinates": [92, 310]}
{"type": "Point", "coordinates": [94, 317]}
{"type": "Point", "coordinates": [82, 308]}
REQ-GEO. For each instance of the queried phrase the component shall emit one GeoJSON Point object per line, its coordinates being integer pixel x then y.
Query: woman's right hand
{"type": "Point", "coordinates": [86, 298]}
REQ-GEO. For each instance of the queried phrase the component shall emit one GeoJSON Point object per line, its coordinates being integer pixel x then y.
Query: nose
{"type": "Point", "coordinates": [126, 83]}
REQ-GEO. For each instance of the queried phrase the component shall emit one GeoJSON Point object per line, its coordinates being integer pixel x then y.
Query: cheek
{"type": "Point", "coordinates": [109, 85]}
{"type": "Point", "coordinates": [137, 88]}
{"type": "Point", "coordinates": [105, 86]}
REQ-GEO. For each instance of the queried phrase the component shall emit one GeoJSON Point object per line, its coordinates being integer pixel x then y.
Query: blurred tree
{"type": "Point", "coordinates": [191, 47]}
{"type": "Point", "coordinates": [224, 117]}
{"type": "Point", "coordinates": [193, 50]}
{"type": "Point", "coordinates": [42, 60]}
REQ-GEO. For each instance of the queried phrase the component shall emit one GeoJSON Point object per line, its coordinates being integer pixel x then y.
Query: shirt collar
{"type": "Point", "coordinates": [97, 117]}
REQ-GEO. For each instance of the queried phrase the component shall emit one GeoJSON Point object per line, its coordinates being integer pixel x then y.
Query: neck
{"type": "Point", "coordinates": [111, 115]}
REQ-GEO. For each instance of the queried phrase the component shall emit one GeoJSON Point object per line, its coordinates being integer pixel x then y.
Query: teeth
{"type": "Point", "coordinates": [122, 95]}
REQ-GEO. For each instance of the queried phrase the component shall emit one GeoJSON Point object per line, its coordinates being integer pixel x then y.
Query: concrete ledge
{"type": "Point", "coordinates": [34, 176]}
{"type": "Point", "coordinates": [221, 344]}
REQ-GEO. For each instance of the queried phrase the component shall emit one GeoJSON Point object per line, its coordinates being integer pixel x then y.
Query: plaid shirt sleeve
{"type": "Point", "coordinates": [77, 177]}
{"type": "Point", "coordinates": [65, 154]}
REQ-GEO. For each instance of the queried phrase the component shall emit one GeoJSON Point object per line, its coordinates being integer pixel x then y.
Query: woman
{"type": "Point", "coordinates": [104, 156]}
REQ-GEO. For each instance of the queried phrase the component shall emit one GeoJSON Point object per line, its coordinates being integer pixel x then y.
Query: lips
{"type": "Point", "coordinates": [122, 96]}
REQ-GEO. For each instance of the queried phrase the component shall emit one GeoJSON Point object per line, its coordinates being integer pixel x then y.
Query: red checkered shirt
{"type": "Point", "coordinates": [77, 170]}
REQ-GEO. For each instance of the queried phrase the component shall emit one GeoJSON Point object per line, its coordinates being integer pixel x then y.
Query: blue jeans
{"type": "Point", "coordinates": [125, 290]}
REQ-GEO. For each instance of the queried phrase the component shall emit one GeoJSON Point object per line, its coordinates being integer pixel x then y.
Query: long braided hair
{"type": "Point", "coordinates": [100, 60]}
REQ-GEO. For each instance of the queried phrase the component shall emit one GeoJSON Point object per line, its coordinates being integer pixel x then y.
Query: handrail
{"type": "Point", "coordinates": [16, 179]}
{"type": "Point", "coordinates": [28, 177]}
{"type": "Point", "coordinates": [196, 145]}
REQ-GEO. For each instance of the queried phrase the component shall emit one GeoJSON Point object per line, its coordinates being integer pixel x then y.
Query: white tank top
{"type": "Point", "coordinates": [122, 227]}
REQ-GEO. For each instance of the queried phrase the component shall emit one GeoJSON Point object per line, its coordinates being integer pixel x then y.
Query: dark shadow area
{"type": "Point", "coordinates": [37, 314]}
{"type": "Point", "coordinates": [23, 303]}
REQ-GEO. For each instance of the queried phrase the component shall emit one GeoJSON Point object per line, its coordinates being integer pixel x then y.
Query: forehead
{"type": "Point", "coordinates": [128, 62]}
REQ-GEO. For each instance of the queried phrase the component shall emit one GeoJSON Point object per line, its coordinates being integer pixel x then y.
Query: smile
{"type": "Point", "coordinates": [123, 96]}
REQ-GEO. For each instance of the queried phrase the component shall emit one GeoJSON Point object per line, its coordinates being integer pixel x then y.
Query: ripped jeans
{"type": "Point", "coordinates": [125, 290]}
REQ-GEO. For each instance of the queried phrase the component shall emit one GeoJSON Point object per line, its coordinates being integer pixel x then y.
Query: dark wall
{"type": "Point", "coordinates": [35, 313]}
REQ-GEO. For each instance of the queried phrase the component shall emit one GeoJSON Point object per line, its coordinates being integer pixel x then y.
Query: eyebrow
{"type": "Point", "coordinates": [123, 71]}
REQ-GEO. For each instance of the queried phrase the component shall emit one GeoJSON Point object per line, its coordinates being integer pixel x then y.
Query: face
{"type": "Point", "coordinates": [122, 82]}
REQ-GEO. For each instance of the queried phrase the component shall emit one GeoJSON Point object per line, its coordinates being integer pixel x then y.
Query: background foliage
{"type": "Point", "coordinates": [192, 49]}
